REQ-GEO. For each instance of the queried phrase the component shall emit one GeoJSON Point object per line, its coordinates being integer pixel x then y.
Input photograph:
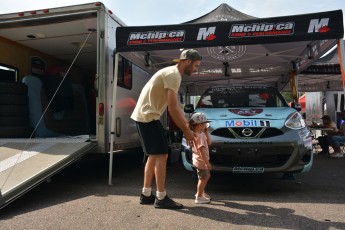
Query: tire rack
{"type": "Point", "coordinates": [14, 110]}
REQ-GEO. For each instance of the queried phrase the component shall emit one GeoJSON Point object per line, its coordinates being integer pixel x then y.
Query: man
{"type": "Point", "coordinates": [337, 139]}
{"type": "Point", "coordinates": [160, 92]}
{"type": "Point", "coordinates": [323, 140]}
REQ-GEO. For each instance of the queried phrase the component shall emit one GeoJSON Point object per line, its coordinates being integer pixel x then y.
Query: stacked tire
{"type": "Point", "coordinates": [14, 110]}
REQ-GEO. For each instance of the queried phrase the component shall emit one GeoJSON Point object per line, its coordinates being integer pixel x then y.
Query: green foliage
{"type": "Point", "coordinates": [287, 96]}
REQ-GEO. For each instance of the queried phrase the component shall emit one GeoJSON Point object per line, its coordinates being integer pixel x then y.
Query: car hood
{"type": "Point", "coordinates": [279, 113]}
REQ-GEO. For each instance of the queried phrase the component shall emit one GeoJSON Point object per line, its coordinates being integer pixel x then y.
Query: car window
{"type": "Point", "coordinates": [241, 96]}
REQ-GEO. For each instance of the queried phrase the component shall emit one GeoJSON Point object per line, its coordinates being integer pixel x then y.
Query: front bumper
{"type": "Point", "coordinates": [286, 153]}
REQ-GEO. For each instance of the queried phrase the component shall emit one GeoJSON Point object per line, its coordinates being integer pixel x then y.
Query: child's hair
{"type": "Point", "coordinates": [191, 125]}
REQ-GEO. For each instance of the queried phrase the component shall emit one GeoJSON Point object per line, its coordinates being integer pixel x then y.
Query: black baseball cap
{"type": "Point", "coordinates": [190, 54]}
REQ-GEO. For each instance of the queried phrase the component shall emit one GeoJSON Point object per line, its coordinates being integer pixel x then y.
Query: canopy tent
{"type": "Point", "coordinates": [236, 48]}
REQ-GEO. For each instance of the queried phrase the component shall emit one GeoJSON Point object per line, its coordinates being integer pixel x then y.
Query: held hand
{"type": "Point", "coordinates": [190, 138]}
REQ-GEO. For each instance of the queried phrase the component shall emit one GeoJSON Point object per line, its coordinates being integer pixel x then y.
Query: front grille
{"type": "Point", "coordinates": [260, 132]}
{"type": "Point", "coordinates": [261, 156]}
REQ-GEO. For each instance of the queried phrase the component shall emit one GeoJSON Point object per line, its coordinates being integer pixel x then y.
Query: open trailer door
{"type": "Point", "coordinates": [24, 164]}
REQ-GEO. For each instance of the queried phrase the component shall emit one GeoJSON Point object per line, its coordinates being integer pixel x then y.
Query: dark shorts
{"type": "Point", "coordinates": [153, 137]}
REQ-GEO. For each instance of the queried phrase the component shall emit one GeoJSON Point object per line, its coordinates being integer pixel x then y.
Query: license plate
{"type": "Point", "coordinates": [248, 169]}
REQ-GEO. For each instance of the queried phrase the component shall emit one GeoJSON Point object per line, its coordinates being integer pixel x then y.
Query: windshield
{"type": "Point", "coordinates": [241, 96]}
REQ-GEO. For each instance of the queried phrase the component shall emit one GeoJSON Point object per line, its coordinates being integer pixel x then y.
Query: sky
{"type": "Point", "coordinates": [160, 12]}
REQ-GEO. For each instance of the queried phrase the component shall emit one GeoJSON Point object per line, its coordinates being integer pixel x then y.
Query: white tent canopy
{"type": "Point", "coordinates": [237, 48]}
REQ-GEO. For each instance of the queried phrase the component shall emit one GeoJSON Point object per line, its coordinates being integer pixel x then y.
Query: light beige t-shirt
{"type": "Point", "coordinates": [153, 99]}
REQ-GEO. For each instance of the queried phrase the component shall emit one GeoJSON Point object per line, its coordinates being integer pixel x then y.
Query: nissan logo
{"type": "Point", "coordinates": [247, 132]}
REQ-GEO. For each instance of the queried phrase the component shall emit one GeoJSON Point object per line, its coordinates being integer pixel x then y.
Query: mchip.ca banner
{"type": "Point", "coordinates": [306, 27]}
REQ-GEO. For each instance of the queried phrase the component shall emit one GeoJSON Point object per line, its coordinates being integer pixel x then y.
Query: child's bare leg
{"type": "Point", "coordinates": [201, 186]}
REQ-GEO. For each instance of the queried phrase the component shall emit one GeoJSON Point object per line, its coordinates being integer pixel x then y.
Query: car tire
{"type": "Point", "coordinates": [15, 131]}
{"type": "Point", "coordinates": [17, 88]}
{"type": "Point", "coordinates": [13, 99]}
{"type": "Point", "coordinates": [14, 110]}
{"type": "Point", "coordinates": [14, 121]}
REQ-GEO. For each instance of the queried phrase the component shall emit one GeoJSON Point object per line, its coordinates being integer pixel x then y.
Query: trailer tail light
{"type": "Point", "coordinates": [101, 109]}
{"type": "Point", "coordinates": [98, 3]}
{"type": "Point", "coordinates": [21, 14]}
{"type": "Point", "coordinates": [110, 12]}
{"type": "Point", "coordinates": [33, 12]}
{"type": "Point", "coordinates": [45, 11]}
{"type": "Point", "coordinates": [100, 113]}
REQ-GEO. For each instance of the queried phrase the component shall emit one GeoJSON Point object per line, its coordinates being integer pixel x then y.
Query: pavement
{"type": "Point", "coordinates": [79, 197]}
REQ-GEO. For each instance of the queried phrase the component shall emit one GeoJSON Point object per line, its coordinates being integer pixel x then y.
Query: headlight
{"type": "Point", "coordinates": [295, 121]}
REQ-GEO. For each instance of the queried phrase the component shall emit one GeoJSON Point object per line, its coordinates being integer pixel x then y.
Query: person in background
{"type": "Point", "coordinates": [159, 93]}
{"type": "Point", "coordinates": [323, 140]}
{"type": "Point", "coordinates": [304, 115]}
{"type": "Point", "coordinates": [336, 139]}
{"type": "Point", "coordinates": [199, 125]}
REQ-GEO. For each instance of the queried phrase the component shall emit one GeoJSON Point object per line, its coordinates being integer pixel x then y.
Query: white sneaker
{"type": "Point", "coordinates": [202, 200]}
{"type": "Point", "coordinates": [337, 155]}
{"type": "Point", "coordinates": [206, 195]}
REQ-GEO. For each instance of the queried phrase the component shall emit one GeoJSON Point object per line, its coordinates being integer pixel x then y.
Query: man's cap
{"type": "Point", "coordinates": [326, 117]}
{"type": "Point", "coordinates": [198, 118]}
{"type": "Point", "coordinates": [189, 54]}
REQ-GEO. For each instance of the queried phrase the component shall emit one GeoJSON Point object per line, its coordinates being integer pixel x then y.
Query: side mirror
{"type": "Point", "coordinates": [297, 106]}
{"type": "Point", "coordinates": [189, 108]}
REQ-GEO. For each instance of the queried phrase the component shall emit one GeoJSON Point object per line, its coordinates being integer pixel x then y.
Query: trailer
{"type": "Point", "coordinates": [108, 64]}
{"type": "Point", "coordinates": [57, 94]}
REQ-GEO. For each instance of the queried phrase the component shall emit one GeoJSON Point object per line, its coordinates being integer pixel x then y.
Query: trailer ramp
{"type": "Point", "coordinates": [26, 163]}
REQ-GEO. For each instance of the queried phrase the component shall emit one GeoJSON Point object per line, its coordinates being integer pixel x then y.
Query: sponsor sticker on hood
{"type": "Point", "coordinates": [247, 123]}
{"type": "Point", "coordinates": [246, 112]}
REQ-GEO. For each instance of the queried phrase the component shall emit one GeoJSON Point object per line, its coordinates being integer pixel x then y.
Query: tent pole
{"type": "Point", "coordinates": [341, 56]}
{"type": "Point", "coordinates": [293, 85]}
{"type": "Point", "coordinates": [113, 119]}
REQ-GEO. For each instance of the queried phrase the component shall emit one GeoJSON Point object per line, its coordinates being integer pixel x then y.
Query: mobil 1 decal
{"type": "Point", "coordinates": [247, 123]}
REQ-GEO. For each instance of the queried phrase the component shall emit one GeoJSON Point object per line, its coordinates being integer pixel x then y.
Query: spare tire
{"type": "Point", "coordinates": [13, 121]}
{"type": "Point", "coordinates": [14, 110]}
{"type": "Point", "coordinates": [15, 131]}
{"type": "Point", "coordinates": [14, 99]}
{"type": "Point", "coordinates": [13, 88]}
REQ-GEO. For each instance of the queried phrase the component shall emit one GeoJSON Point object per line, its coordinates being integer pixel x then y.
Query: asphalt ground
{"type": "Point", "coordinates": [79, 197]}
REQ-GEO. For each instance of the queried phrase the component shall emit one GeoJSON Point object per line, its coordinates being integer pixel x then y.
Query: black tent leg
{"type": "Point", "coordinates": [290, 176]}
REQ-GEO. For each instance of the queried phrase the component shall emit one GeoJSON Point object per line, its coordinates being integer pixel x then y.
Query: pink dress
{"type": "Point", "coordinates": [200, 142]}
